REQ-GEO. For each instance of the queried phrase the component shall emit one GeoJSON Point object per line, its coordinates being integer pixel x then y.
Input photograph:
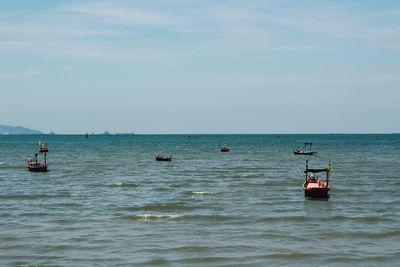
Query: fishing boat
{"type": "Point", "coordinates": [313, 186]}
{"type": "Point", "coordinates": [225, 148]}
{"type": "Point", "coordinates": [159, 157]}
{"type": "Point", "coordinates": [304, 151]}
{"type": "Point", "coordinates": [43, 148]}
{"type": "Point", "coordinates": [36, 166]}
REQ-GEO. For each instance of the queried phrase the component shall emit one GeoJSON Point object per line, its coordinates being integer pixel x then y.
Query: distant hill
{"type": "Point", "coordinates": [5, 129]}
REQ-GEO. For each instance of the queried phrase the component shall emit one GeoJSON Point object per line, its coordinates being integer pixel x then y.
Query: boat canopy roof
{"type": "Point", "coordinates": [327, 169]}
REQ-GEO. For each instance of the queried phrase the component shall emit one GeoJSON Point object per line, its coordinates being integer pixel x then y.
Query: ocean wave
{"type": "Point", "coordinates": [294, 255]}
{"type": "Point", "coordinates": [213, 217]}
{"type": "Point", "coordinates": [26, 196]}
{"type": "Point", "coordinates": [160, 207]}
{"type": "Point", "coordinates": [158, 261]}
{"type": "Point", "coordinates": [243, 176]}
{"type": "Point", "coordinates": [153, 217]}
{"type": "Point", "coordinates": [63, 221]}
{"type": "Point", "coordinates": [364, 234]}
{"type": "Point", "coordinates": [368, 260]}
{"type": "Point", "coordinates": [201, 193]}
{"type": "Point", "coordinates": [173, 249]}
{"type": "Point", "coordinates": [9, 237]}
{"type": "Point", "coordinates": [294, 218]}
{"type": "Point", "coordinates": [369, 219]}
{"type": "Point", "coordinates": [124, 184]}
{"type": "Point", "coordinates": [337, 218]}
{"type": "Point", "coordinates": [34, 214]}
{"type": "Point", "coordinates": [196, 217]}
{"type": "Point", "coordinates": [12, 167]}
{"type": "Point", "coordinates": [70, 205]}
{"type": "Point", "coordinates": [163, 189]}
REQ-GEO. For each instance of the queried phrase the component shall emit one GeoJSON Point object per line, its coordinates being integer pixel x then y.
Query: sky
{"type": "Point", "coordinates": [186, 66]}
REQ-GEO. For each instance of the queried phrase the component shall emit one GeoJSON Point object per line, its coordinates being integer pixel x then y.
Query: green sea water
{"type": "Point", "coordinates": [107, 202]}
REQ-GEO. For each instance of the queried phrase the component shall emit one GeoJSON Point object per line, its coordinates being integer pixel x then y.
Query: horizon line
{"type": "Point", "coordinates": [194, 134]}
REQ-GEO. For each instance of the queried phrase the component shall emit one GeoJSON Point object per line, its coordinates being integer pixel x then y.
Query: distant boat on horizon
{"type": "Point", "coordinates": [225, 148]}
{"type": "Point", "coordinates": [159, 157]}
{"type": "Point", "coordinates": [43, 147]}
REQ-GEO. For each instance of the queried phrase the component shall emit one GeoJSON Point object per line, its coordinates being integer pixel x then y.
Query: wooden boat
{"type": "Point", "coordinates": [304, 151]}
{"type": "Point", "coordinates": [43, 148]}
{"type": "Point", "coordinates": [225, 148]}
{"type": "Point", "coordinates": [35, 166]}
{"type": "Point", "coordinates": [163, 158]}
{"type": "Point", "coordinates": [313, 186]}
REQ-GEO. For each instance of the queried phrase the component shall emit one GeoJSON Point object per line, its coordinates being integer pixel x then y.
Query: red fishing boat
{"type": "Point", "coordinates": [35, 166]}
{"type": "Point", "coordinates": [313, 186]}
{"type": "Point", "coordinates": [159, 157]}
{"type": "Point", "coordinates": [304, 151]}
{"type": "Point", "coordinates": [225, 148]}
{"type": "Point", "coordinates": [43, 148]}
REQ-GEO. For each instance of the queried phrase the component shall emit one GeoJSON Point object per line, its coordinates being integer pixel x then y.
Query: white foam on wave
{"type": "Point", "coordinates": [148, 217]}
{"type": "Point", "coordinates": [242, 176]}
{"type": "Point", "coordinates": [201, 193]}
{"type": "Point", "coordinates": [123, 184]}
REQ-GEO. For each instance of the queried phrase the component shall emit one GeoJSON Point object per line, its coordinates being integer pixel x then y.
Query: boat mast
{"type": "Point", "coordinates": [307, 145]}
{"type": "Point", "coordinates": [327, 178]}
{"type": "Point", "coordinates": [45, 161]}
{"type": "Point", "coordinates": [306, 169]}
{"type": "Point", "coordinates": [327, 173]}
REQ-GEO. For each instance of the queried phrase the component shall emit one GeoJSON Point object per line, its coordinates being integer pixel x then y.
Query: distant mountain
{"type": "Point", "coordinates": [5, 129]}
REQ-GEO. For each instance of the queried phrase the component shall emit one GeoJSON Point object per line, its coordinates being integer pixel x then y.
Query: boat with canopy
{"type": "Point", "coordinates": [36, 166]}
{"type": "Point", "coordinates": [306, 150]}
{"type": "Point", "coordinates": [313, 186]}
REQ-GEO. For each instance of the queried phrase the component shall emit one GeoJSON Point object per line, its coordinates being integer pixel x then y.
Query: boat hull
{"type": "Point", "coordinates": [304, 153]}
{"type": "Point", "coordinates": [163, 159]}
{"type": "Point", "coordinates": [316, 192]}
{"type": "Point", "coordinates": [37, 169]}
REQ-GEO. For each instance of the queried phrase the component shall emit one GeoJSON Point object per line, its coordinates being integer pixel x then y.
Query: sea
{"type": "Point", "coordinates": [105, 201]}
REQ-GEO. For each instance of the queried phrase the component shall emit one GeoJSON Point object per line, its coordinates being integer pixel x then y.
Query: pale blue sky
{"type": "Point", "coordinates": [184, 66]}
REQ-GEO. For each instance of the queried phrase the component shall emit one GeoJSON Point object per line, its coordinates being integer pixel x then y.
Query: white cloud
{"type": "Point", "coordinates": [20, 74]}
{"type": "Point", "coordinates": [111, 13]}
{"type": "Point", "coordinates": [182, 29]}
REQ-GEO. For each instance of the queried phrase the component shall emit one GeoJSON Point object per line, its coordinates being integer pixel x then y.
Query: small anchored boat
{"type": "Point", "coordinates": [304, 151]}
{"type": "Point", "coordinates": [225, 148]}
{"type": "Point", "coordinates": [43, 147]}
{"type": "Point", "coordinates": [36, 166]}
{"type": "Point", "coordinates": [313, 186]}
{"type": "Point", "coordinates": [159, 157]}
